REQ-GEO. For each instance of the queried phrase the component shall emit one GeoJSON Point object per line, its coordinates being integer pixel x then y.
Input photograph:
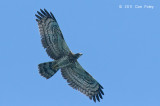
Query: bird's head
{"type": "Point", "coordinates": [78, 55]}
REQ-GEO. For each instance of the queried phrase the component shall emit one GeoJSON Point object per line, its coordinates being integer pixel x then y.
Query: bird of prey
{"type": "Point", "coordinates": [56, 47]}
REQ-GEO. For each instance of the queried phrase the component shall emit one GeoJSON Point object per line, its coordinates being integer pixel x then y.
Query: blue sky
{"type": "Point", "coordinates": [121, 50]}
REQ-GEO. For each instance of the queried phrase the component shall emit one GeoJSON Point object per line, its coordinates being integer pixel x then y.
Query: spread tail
{"type": "Point", "coordinates": [46, 69]}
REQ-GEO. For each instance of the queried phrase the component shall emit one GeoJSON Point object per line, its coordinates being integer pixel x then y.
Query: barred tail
{"type": "Point", "coordinates": [46, 69]}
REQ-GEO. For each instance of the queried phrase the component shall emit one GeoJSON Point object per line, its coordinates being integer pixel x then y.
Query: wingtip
{"type": "Point", "coordinates": [38, 16]}
{"type": "Point", "coordinates": [100, 95]}
{"type": "Point", "coordinates": [44, 13]}
{"type": "Point", "coordinates": [37, 20]}
{"type": "Point", "coordinates": [44, 9]}
{"type": "Point", "coordinates": [101, 86]}
{"type": "Point", "coordinates": [97, 97]}
{"type": "Point", "coordinates": [94, 99]}
{"type": "Point", "coordinates": [47, 13]}
{"type": "Point", "coordinates": [101, 91]}
{"type": "Point", "coordinates": [90, 97]}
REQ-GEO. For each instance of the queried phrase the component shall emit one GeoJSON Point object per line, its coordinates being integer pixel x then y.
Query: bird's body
{"type": "Point", "coordinates": [56, 47]}
{"type": "Point", "coordinates": [62, 62]}
{"type": "Point", "coordinates": [66, 60]}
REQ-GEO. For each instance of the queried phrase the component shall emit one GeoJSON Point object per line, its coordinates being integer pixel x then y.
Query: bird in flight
{"type": "Point", "coordinates": [56, 47]}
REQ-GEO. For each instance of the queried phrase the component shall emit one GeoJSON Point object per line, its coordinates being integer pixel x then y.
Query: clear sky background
{"type": "Point", "coordinates": [121, 50]}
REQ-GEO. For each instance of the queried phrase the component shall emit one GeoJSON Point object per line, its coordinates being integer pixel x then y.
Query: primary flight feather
{"type": "Point", "coordinates": [56, 47]}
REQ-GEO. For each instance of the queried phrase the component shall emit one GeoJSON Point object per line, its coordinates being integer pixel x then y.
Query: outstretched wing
{"type": "Point", "coordinates": [52, 38]}
{"type": "Point", "coordinates": [80, 80]}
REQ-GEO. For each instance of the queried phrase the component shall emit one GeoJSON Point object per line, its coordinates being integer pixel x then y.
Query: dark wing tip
{"type": "Point", "coordinates": [37, 20]}
{"type": "Point", "coordinates": [101, 86]}
{"type": "Point", "coordinates": [47, 13]}
{"type": "Point", "coordinates": [44, 13]}
{"type": "Point", "coordinates": [100, 91]}
{"type": "Point", "coordinates": [53, 16]}
{"type": "Point", "coordinates": [98, 96]}
{"type": "Point", "coordinates": [94, 99]}
{"type": "Point", "coordinates": [90, 97]}
{"type": "Point", "coordinates": [38, 16]}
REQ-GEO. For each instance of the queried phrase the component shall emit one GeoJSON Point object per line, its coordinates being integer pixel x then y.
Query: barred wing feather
{"type": "Point", "coordinates": [52, 38]}
{"type": "Point", "coordinates": [81, 80]}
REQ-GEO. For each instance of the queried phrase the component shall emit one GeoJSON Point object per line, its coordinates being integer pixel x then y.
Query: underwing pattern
{"type": "Point", "coordinates": [56, 47]}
